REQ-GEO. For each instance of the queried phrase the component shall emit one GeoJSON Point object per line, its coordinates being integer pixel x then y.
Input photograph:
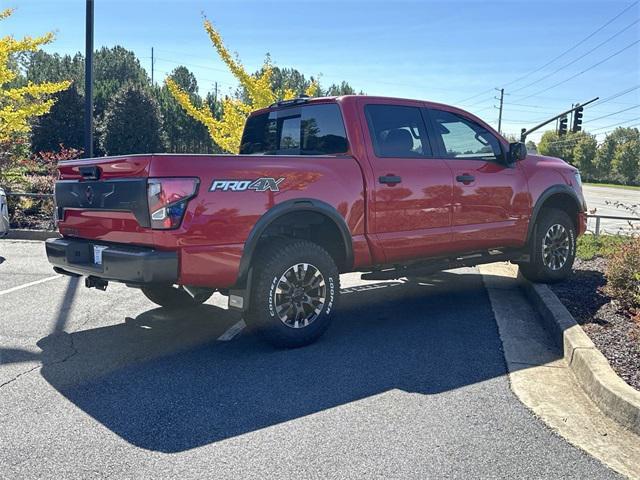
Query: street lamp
{"type": "Point", "coordinates": [88, 82]}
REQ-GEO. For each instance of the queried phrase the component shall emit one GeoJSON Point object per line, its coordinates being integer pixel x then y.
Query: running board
{"type": "Point", "coordinates": [437, 265]}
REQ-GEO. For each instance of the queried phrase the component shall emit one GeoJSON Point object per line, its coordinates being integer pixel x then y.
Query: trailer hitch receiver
{"type": "Point", "coordinates": [95, 282]}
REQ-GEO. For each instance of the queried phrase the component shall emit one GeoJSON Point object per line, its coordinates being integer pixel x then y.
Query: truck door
{"type": "Point", "coordinates": [490, 198]}
{"type": "Point", "coordinates": [412, 193]}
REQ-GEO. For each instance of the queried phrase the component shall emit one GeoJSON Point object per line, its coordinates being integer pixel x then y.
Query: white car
{"type": "Point", "coordinates": [4, 214]}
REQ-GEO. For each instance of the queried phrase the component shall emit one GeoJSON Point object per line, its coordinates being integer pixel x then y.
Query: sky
{"type": "Point", "coordinates": [546, 55]}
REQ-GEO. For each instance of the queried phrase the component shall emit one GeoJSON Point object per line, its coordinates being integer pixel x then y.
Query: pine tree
{"type": "Point", "coordinates": [132, 123]}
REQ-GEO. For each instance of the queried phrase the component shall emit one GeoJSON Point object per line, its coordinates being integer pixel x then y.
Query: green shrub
{"type": "Point", "coordinates": [623, 276]}
{"type": "Point", "coordinates": [36, 174]}
{"type": "Point", "coordinates": [590, 246]}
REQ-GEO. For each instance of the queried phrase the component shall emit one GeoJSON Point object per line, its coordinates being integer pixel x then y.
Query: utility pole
{"type": "Point", "coordinates": [88, 82]}
{"type": "Point", "coordinates": [500, 114]}
{"type": "Point", "coordinates": [215, 100]}
{"type": "Point", "coordinates": [571, 115]}
{"type": "Point", "coordinates": [152, 65]}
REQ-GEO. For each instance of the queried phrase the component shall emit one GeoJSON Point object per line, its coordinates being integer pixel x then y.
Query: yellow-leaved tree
{"type": "Point", "coordinates": [227, 131]}
{"type": "Point", "coordinates": [20, 104]}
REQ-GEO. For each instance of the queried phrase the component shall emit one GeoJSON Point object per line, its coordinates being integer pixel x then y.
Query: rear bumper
{"type": "Point", "coordinates": [120, 263]}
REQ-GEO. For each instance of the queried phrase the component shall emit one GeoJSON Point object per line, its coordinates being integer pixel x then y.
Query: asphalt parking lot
{"type": "Point", "coordinates": [409, 382]}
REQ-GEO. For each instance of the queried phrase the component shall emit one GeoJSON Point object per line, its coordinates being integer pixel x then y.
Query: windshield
{"type": "Point", "coordinates": [302, 130]}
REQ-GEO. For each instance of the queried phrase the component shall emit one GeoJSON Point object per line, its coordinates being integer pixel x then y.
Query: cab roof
{"type": "Point", "coordinates": [304, 100]}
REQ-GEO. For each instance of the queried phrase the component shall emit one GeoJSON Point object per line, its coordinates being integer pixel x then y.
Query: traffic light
{"type": "Point", "coordinates": [562, 126]}
{"type": "Point", "coordinates": [577, 120]}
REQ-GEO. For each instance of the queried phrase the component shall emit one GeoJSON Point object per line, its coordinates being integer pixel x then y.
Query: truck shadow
{"type": "Point", "coordinates": [162, 382]}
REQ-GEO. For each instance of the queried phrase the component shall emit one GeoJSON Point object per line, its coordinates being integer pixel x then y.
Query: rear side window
{"type": "Point", "coordinates": [397, 131]}
{"type": "Point", "coordinates": [465, 139]}
{"type": "Point", "coordinates": [307, 130]}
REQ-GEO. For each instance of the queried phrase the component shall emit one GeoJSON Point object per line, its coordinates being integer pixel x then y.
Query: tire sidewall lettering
{"type": "Point", "coordinates": [331, 296]}
{"type": "Point", "coordinates": [272, 310]}
{"type": "Point", "coordinates": [573, 241]}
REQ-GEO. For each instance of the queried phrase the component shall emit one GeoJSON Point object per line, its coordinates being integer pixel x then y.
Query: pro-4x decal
{"type": "Point", "coordinates": [259, 185]}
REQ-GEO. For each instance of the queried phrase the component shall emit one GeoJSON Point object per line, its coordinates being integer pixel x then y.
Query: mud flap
{"type": "Point", "coordinates": [239, 298]}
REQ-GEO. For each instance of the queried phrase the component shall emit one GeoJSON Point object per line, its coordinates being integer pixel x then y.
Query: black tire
{"type": "Point", "coordinates": [547, 267]}
{"type": "Point", "coordinates": [169, 296]}
{"type": "Point", "coordinates": [268, 307]}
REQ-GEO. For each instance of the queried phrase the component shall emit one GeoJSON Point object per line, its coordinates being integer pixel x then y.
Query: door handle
{"type": "Point", "coordinates": [466, 178]}
{"type": "Point", "coordinates": [390, 179]}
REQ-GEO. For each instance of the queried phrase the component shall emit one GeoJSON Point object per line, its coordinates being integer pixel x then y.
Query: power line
{"type": "Point", "coordinates": [490, 99]}
{"type": "Point", "coordinates": [617, 124]}
{"type": "Point", "coordinates": [519, 110]}
{"type": "Point", "coordinates": [555, 142]}
{"type": "Point", "coordinates": [485, 108]}
{"type": "Point", "coordinates": [523, 121]}
{"type": "Point", "coordinates": [596, 104]}
{"type": "Point", "coordinates": [560, 55]}
{"type": "Point", "coordinates": [538, 107]}
{"type": "Point", "coordinates": [577, 59]}
{"type": "Point", "coordinates": [611, 114]}
{"type": "Point", "coordinates": [585, 70]}
{"type": "Point", "coordinates": [542, 119]}
{"type": "Point", "coordinates": [209, 80]}
{"type": "Point", "coordinates": [616, 95]}
{"type": "Point", "coordinates": [192, 65]}
{"type": "Point", "coordinates": [574, 46]}
{"type": "Point", "coordinates": [591, 120]}
{"type": "Point", "coordinates": [474, 96]}
{"type": "Point", "coordinates": [522, 105]}
{"type": "Point", "coordinates": [334, 77]}
{"type": "Point", "coordinates": [570, 140]}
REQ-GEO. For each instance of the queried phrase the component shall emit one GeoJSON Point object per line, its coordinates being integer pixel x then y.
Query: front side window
{"type": "Point", "coordinates": [463, 138]}
{"type": "Point", "coordinates": [397, 131]}
{"type": "Point", "coordinates": [306, 130]}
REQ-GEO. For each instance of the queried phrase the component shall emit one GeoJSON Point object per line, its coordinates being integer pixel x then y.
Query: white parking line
{"type": "Point", "coordinates": [232, 331]}
{"type": "Point", "coordinates": [36, 282]}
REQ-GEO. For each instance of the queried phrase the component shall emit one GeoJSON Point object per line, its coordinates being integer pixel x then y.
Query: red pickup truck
{"type": "Point", "coordinates": [389, 187]}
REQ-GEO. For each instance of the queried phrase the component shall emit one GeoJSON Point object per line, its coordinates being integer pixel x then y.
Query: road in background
{"type": "Point", "coordinates": [602, 198]}
{"type": "Point", "coordinates": [409, 382]}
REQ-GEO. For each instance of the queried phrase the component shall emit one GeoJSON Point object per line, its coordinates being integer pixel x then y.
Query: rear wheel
{"type": "Point", "coordinates": [175, 297]}
{"type": "Point", "coordinates": [552, 249]}
{"type": "Point", "coordinates": [295, 290]}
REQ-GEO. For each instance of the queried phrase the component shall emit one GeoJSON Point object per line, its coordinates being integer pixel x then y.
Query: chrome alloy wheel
{"type": "Point", "coordinates": [555, 247]}
{"type": "Point", "coordinates": [300, 295]}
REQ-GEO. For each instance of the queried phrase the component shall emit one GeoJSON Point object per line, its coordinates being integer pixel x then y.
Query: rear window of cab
{"type": "Point", "coordinates": [316, 129]}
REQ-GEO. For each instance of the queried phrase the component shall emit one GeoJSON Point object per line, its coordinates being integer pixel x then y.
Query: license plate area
{"type": "Point", "coordinates": [97, 254]}
{"type": "Point", "coordinates": [79, 254]}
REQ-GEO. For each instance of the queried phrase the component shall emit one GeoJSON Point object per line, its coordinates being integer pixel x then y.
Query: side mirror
{"type": "Point", "coordinates": [517, 152]}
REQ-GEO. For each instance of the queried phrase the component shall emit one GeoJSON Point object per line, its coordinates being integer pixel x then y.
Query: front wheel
{"type": "Point", "coordinates": [169, 296]}
{"type": "Point", "coordinates": [552, 248]}
{"type": "Point", "coordinates": [295, 291]}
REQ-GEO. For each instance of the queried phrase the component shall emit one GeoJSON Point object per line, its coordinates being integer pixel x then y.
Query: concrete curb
{"type": "Point", "coordinates": [592, 370]}
{"type": "Point", "coordinates": [20, 234]}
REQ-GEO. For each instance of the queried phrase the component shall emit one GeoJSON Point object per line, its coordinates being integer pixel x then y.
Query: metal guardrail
{"type": "Point", "coordinates": [31, 195]}
{"type": "Point", "coordinates": [610, 217]}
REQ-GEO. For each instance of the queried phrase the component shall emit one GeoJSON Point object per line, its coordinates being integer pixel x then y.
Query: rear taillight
{"type": "Point", "coordinates": [168, 199]}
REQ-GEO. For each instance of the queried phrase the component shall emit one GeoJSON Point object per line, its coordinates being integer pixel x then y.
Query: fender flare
{"type": "Point", "coordinates": [284, 208]}
{"type": "Point", "coordinates": [553, 190]}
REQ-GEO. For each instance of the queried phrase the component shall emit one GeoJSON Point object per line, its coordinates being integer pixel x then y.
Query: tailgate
{"type": "Point", "coordinates": [105, 199]}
